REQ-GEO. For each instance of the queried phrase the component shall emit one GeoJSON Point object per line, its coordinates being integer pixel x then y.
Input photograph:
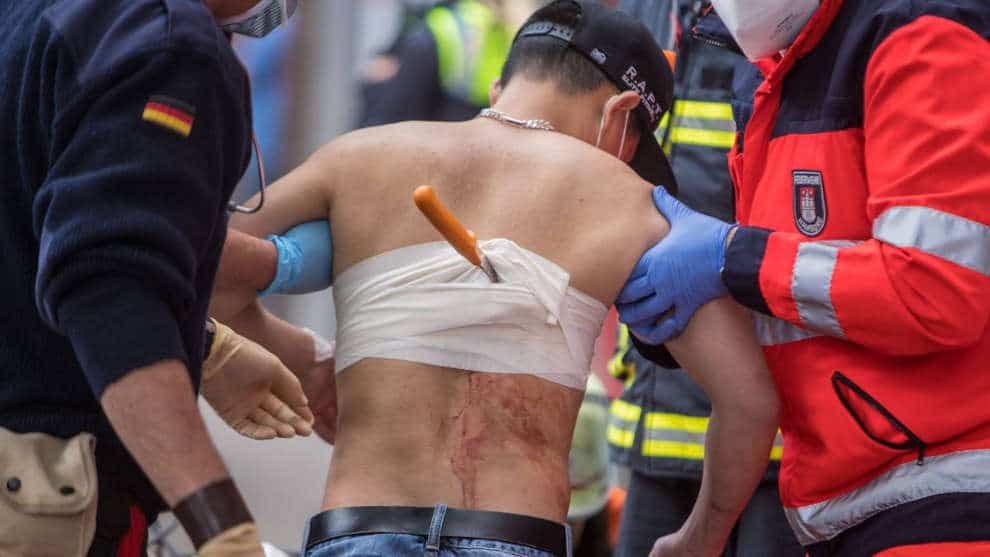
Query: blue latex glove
{"type": "Point", "coordinates": [305, 259]}
{"type": "Point", "coordinates": [680, 273]}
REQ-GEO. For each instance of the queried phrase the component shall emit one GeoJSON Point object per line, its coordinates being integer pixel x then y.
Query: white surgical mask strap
{"type": "Point", "coordinates": [601, 130]}
{"type": "Point", "coordinates": [622, 142]}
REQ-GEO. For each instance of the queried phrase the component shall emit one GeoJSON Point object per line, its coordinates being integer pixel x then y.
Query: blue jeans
{"type": "Point", "coordinates": [411, 545]}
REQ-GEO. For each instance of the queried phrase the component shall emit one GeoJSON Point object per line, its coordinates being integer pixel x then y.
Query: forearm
{"type": "Point", "coordinates": [247, 265]}
{"type": "Point", "coordinates": [308, 357]}
{"type": "Point", "coordinates": [736, 452]}
{"type": "Point", "coordinates": [247, 261]}
{"type": "Point", "coordinates": [153, 410]}
{"type": "Point", "coordinates": [718, 350]}
{"type": "Point", "coordinates": [290, 343]}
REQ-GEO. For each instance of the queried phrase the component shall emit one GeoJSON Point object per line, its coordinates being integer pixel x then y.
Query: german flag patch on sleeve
{"type": "Point", "coordinates": [170, 113]}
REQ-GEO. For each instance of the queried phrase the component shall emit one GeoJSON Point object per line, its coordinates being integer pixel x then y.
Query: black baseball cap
{"type": "Point", "coordinates": [626, 52]}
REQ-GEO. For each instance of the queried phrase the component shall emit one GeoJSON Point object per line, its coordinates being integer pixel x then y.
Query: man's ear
{"type": "Point", "coordinates": [616, 111]}
{"type": "Point", "coordinates": [494, 91]}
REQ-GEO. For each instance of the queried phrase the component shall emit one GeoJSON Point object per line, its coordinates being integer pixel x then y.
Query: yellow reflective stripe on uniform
{"type": "Point", "coordinates": [678, 449]}
{"type": "Point", "coordinates": [703, 109]}
{"type": "Point", "coordinates": [662, 127]}
{"type": "Point", "coordinates": [674, 435]}
{"type": "Point", "coordinates": [494, 47]}
{"type": "Point", "coordinates": [673, 449]}
{"type": "Point", "coordinates": [622, 438]}
{"type": "Point", "coordinates": [706, 138]}
{"type": "Point", "coordinates": [623, 418]}
{"type": "Point", "coordinates": [680, 422]}
{"type": "Point", "coordinates": [661, 133]}
{"type": "Point", "coordinates": [472, 45]}
{"type": "Point", "coordinates": [617, 366]}
{"type": "Point", "coordinates": [495, 42]}
{"type": "Point", "coordinates": [680, 436]}
{"type": "Point", "coordinates": [705, 123]}
{"type": "Point", "coordinates": [625, 411]}
{"type": "Point", "coordinates": [446, 32]}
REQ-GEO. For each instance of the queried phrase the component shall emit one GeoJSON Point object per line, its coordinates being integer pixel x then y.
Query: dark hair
{"type": "Point", "coordinates": [542, 57]}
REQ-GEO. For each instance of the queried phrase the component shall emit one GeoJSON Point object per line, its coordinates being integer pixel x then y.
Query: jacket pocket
{"type": "Point", "coordinates": [874, 419]}
{"type": "Point", "coordinates": [47, 494]}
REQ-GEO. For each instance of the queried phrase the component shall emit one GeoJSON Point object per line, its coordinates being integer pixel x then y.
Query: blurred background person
{"type": "Point", "coordinates": [439, 66]}
{"type": "Point", "coordinates": [442, 61]}
{"type": "Point", "coordinates": [588, 510]}
{"type": "Point", "coordinates": [657, 426]}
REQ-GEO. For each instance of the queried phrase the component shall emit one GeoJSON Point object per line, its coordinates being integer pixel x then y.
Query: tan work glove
{"type": "Point", "coordinates": [252, 390]}
{"type": "Point", "coordinates": [239, 541]}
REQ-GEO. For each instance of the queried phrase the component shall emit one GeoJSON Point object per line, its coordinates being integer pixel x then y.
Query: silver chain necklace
{"type": "Point", "coordinates": [505, 118]}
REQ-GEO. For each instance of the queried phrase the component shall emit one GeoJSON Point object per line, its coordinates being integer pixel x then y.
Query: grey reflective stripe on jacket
{"type": "Point", "coordinates": [937, 233]}
{"type": "Point", "coordinates": [811, 285]}
{"type": "Point", "coordinates": [771, 331]}
{"type": "Point", "coordinates": [950, 237]}
{"type": "Point", "coordinates": [960, 472]}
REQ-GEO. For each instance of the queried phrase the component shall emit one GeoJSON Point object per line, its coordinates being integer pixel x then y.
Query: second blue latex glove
{"type": "Point", "coordinates": [305, 259]}
{"type": "Point", "coordinates": [676, 276]}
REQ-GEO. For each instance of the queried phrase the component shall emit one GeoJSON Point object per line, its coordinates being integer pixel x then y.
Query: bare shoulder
{"type": "Point", "coordinates": [611, 186]}
{"type": "Point", "coordinates": [367, 153]}
{"type": "Point", "coordinates": [350, 149]}
{"type": "Point", "coordinates": [603, 217]}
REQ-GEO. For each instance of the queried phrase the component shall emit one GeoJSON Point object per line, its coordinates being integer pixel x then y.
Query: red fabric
{"type": "Point", "coordinates": [132, 544]}
{"type": "Point", "coordinates": [604, 347]}
{"type": "Point", "coordinates": [943, 168]}
{"type": "Point", "coordinates": [916, 324]}
{"type": "Point", "coordinates": [954, 549]}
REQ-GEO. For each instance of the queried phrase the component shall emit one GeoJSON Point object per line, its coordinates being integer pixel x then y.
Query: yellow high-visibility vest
{"type": "Point", "coordinates": [472, 45]}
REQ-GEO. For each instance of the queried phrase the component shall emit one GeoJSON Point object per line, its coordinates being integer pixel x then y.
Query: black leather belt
{"type": "Point", "coordinates": [537, 533]}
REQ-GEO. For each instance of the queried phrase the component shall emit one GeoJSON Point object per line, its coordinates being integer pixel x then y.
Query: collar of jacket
{"type": "Point", "coordinates": [710, 29]}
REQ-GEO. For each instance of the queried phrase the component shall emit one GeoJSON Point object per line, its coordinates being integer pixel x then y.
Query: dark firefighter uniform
{"type": "Point", "coordinates": [657, 426]}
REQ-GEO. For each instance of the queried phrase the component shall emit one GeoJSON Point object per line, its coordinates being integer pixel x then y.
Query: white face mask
{"type": "Point", "coordinates": [262, 19]}
{"type": "Point", "coordinates": [764, 27]}
{"type": "Point", "coordinates": [601, 130]}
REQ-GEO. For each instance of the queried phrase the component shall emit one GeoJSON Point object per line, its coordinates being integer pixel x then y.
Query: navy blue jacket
{"type": "Point", "coordinates": [126, 125]}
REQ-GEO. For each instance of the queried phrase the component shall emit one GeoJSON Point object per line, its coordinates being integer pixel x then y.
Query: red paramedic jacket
{"type": "Point", "coordinates": [863, 193]}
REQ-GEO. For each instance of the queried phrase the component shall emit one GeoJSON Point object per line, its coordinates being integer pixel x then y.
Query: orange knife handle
{"type": "Point", "coordinates": [463, 240]}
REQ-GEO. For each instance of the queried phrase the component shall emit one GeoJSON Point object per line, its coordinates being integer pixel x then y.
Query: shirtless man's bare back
{"type": "Point", "coordinates": [411, 434]}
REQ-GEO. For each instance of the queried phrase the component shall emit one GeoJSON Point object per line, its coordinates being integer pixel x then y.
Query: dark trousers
{"type": "Point", "coordinates": [594, 537]}
{"type": "Point", "coordinates": [121, 527]}
{"type": "Point", "coordinates": [656, 507]}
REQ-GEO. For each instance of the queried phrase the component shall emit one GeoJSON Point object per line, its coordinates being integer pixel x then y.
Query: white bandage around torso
{"type": "Point", "coordinates": [425, 303]}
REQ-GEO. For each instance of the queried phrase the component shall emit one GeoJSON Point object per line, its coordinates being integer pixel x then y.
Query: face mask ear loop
{"type": "Point", "coordinates": [622, 142]}
{"type": "Point", "coordinates": [601, 129]}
